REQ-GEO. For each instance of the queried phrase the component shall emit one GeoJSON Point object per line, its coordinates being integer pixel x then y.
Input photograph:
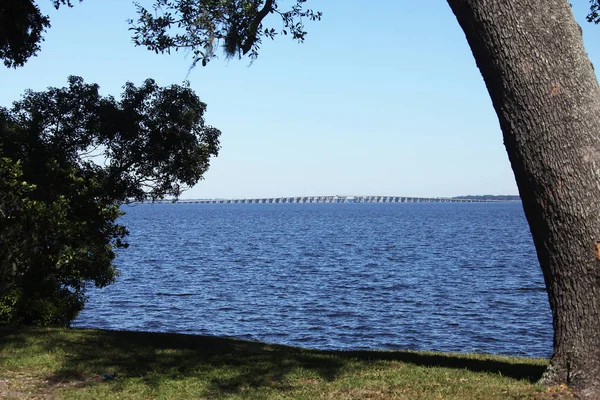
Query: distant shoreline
{"type": "Point", "coordinates": [343, 199]}
{"type": "Point", "coordinates": [490, 197]}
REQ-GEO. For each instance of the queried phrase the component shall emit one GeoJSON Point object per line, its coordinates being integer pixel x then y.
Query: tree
{"type": "Point", "coordinates": [547, 99]}
{"type": "Point", "coordinates": [206, 24]}
{"type": "Point", "coordinates": [237, 25]}
{"type": "Point", "coordinates": [21, 29]}
{"type": "Point", "coordinates": [59, 207]}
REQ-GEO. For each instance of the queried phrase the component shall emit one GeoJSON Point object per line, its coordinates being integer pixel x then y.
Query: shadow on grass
{"type": "Point", "coordinates": [531, 372]}
{"type": "Point", "coordinates": [228, 365]}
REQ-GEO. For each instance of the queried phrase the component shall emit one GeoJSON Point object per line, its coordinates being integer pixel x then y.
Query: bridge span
{"type": "Point", "coordinates": [331, 199]}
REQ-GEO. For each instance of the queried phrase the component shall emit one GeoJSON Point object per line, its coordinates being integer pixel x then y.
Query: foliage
{"type": "Point", "coordinates": [198, 26]}
{"type": "Point", "coordinates": [21, 29]}
{"type": "Point", "coordinates": [49, 248]}
{"type": "Point", "coordinates": [594, 14]}
{"type": "Point", "coordinates": [201, 26]}
{"type": "Point", "coordinates": [69, 158]}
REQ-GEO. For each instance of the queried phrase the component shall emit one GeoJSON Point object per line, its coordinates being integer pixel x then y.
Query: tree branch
{"type": "Point", "coordinates": [253, 28]}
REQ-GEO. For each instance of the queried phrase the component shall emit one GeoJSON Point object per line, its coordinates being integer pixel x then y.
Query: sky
{"type": "Point", "coordinates": [383, 98]}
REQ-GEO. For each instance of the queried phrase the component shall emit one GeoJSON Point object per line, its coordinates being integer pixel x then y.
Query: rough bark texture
{"type": "Point", "coordinates": [546, 95]}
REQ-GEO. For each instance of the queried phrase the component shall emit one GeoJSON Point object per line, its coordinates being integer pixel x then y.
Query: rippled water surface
{"type": "Point", "coordinates": [430, 276]}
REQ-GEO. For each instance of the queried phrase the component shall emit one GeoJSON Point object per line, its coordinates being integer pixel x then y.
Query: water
{"type": "Point", "coordinates": [431, 276]}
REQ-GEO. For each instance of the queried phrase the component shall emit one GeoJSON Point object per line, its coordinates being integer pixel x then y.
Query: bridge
{"type": "Point", "coordinates": [330, 199]}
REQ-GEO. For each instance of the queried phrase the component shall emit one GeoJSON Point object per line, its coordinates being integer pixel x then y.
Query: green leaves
{"type": "Point", "coordinates": [202, 26]}
{"type": "Point", "coordinates": [153, 142]}
{"type": "Point", "coordinates": [21, 28]}
{"type": "Point", "coordinates": [594, 14]}
{"type": "Point", "coordinates": [68, 159]}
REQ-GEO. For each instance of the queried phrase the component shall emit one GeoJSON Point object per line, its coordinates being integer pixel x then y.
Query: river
{"type": "Point", "coordinates": [421, 276]}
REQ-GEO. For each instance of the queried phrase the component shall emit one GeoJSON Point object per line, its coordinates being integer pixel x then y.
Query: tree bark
{"type": "Point", "coordinates": [546, 95]}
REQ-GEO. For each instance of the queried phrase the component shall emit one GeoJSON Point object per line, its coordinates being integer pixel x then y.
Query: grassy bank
{"type": "Point", "coordinates": [85, 364]}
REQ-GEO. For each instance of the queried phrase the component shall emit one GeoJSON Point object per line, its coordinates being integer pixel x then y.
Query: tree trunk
{"type": "Point", "coordinates": [547, 98]}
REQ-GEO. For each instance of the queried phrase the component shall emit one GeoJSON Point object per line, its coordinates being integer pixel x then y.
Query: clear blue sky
{"type": "Point", "coordinates": [383, 98]}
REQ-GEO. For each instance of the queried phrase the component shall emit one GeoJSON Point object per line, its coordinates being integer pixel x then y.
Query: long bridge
{"type": "Point", "coordinates": [332, 199]}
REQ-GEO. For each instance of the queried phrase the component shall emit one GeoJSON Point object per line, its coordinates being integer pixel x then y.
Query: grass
{"type": "Point", "coordinates": [94, 364]}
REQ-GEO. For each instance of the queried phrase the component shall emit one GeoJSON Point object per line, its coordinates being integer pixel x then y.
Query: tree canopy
{"type": "Point", "coordinates": [68, 158]}
{"type": "Point", "coordinates": [201, 27]}
{"type": "Point", "coordinates": [21, 29]}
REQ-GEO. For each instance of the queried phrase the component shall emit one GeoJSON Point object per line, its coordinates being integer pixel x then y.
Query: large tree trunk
{"type": "Point", "coordinates": [546, 95]}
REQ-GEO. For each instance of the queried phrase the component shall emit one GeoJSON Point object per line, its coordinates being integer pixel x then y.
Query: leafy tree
{"type": "Point", "coordinates": [68, 158]}
{"type": "Point", "coordinates": [21, 29]}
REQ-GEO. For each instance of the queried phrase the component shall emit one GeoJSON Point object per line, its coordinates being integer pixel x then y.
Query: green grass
{"type": "Point", "coordinates": [72, 363]}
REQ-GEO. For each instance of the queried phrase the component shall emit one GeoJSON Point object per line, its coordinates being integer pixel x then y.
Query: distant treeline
{"type": "Point", "coordinates": [490, 197]}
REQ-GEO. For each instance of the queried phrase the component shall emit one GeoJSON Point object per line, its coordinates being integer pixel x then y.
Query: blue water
{"type": "Point", "coordinates": [431, 276]}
